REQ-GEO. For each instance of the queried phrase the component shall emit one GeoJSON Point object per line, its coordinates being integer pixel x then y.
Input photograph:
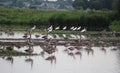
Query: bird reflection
{"type": "Point", "coordinates": [42, 53]}
{"type": "Point", "coordinates": [103, 49]}
{"type": "Point", "coordinates": [103, 44]}
{"type": "Point", "coordinates": [79, 54]}
{"type": "Point", "coordinates": [71, 54]}
{"type": "Point", "coordinates": [52, 59]}
{"type": "Point", "coordinates": [10, 59]}
{"type": "Point", "coordinates": [29, 60]}
{"type": "Point", "coordinates": [89, 51]}
{"type": "Point", "coordinates": [66, 50]}
{"type": "Point", "coordinates": [114, 49]}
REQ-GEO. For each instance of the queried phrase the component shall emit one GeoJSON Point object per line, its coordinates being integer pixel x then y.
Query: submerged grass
{"type": "Point", "coordinates": [13, 53]}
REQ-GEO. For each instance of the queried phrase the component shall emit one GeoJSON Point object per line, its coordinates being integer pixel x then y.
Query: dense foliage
{"type": "Point", "coordinates": [118, 7]}
{"type": "Point", "coordinates": [92, 20]}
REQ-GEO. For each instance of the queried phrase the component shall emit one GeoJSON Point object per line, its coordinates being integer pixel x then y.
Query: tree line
{"type": "Point", "coordinates": [95, 4]}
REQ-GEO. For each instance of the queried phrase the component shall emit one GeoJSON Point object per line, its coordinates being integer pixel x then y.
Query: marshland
{"type": "Point", "coordinates": [85, 40]}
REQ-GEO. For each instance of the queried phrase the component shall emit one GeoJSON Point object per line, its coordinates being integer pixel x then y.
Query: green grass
{"type": "Point", "coordinates": [18, 18]}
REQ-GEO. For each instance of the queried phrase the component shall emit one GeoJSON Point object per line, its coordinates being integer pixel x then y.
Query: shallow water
{"type": "Point", "coordinates": [96, 62]}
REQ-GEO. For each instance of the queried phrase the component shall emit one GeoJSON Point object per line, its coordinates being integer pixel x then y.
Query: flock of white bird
{"type": "Point", "coordinates": [64, 28]}
{"type": "Point", "coordinates": [50, 29]}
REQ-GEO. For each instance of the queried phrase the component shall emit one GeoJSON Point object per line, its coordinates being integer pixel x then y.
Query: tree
{"type": "Point", "coordinates": [78, 4]}
{"type": "Point", "coordinates": [118, 7]}
{"type": "Point", "coordinates": [93, 4]}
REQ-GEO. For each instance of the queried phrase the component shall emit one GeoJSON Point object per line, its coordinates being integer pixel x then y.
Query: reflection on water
{"type": "Point", "coordinates": [64, 60]}
{"type": "Point", "coordinates": [80, 57]}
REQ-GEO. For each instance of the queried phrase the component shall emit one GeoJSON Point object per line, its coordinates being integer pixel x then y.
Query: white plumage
{"type": "Point", "coordinates": [50, 36]}
{"type": "Point", "coordinates": [64, 36]}
{"type": "Point", "coordinates": [33, 27]}
{"type": "Point", "coordinates": [73, 36]}
{"type": "Point", "coordinates": [72, 28]}
{"type": "Point", "coordinates": [75, 28]}
{"type": "Point", "coordinates": [57, 28]}
{"type": "Point", "coordinates": [83, 30]}
{"type": "Point", "coordinates": [79, 28]}
{"type": "Point", "coordinates": [83, 37]}
{"type": "Point", "coordinates": [78, 36]}
{"type": "Point", "coordinates": [57, 36]}
{"type": "Point", "coordinates": [64, 28]}
{"type": "Point", "coordinates": [50, 29]}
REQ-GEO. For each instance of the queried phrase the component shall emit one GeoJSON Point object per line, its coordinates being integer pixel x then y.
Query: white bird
{"type": "Point", "coordinates": [88, 0]}
{"type": "Point", "coordinates": [64, 36]}
{"type": "Point", "coordinates": [64, 28]}
{"type": "Point", "coordinates": [50, 29]}
{"type": "Point", "coordinates": [33, 27]}
{"type": "Point", "coordinates": [57, 28]}
{"type": "Point", "coordinates": [75, 29]}
{"type": "Point", "coordinates": [83, 37]}
{"type": "Point", "coordinates": [83, 30]}
{"type": "Point", "coordinates": [78, 36]}
{"type": "Point", "coordinates": [72, 28]}
{"type": "Point", "coordinates": [73, 36]}
{"type": "Point", "coordinates": [50, 36]}
{"type": "Point", "coordinates": [79, 28]}
{"type": "Point", "coordinates": [57, 36]}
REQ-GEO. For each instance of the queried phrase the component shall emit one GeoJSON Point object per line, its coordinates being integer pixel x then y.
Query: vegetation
{"type": "Point", "coordinates": [12, 52]}
{"type": "Point", "coordinates": [92, 20]}
{"type": "Point", "coordinates": [95, 4]}
{"type": "Point", "coordinates": [115, 25]}
{"type": "Point", "coordinates": [118, 8]}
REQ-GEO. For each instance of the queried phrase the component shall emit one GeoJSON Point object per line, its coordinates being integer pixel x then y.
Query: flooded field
{"type": "Point", "coordinates": [98, 61]}
{"type": "Point", "coordinates": [67, 58]}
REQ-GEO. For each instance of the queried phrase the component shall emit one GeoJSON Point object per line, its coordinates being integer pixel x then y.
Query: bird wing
{"type": "Point", "coordinates": [33, 27]}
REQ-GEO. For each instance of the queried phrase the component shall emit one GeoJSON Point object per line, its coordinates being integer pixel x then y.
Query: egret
{"type": "Point", "coordinates": [78, 36]}
{"type": "Point", "coordinates": [83, 37]}
{"type": "Point", "coordinates": [72, 28]}
{"type": "Point", "coordinates": [33, 27]}
{"type": "Point", "coordinates": [73, 36]}
{"type": "Point", "coordinates": [79, 28]}
{"type": "Point", "coordinates": [83, 30]}
{"type": "Point", "coordinates": [57, 28]}
{"type": "Point", "coordinates": [57, 36]}
{"type": "Point", "coordinates": [50, 29]}
{"type": "Point", "coordinates": [64, 36]}
{"type": "Point", "coordinates": [64, 28]}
